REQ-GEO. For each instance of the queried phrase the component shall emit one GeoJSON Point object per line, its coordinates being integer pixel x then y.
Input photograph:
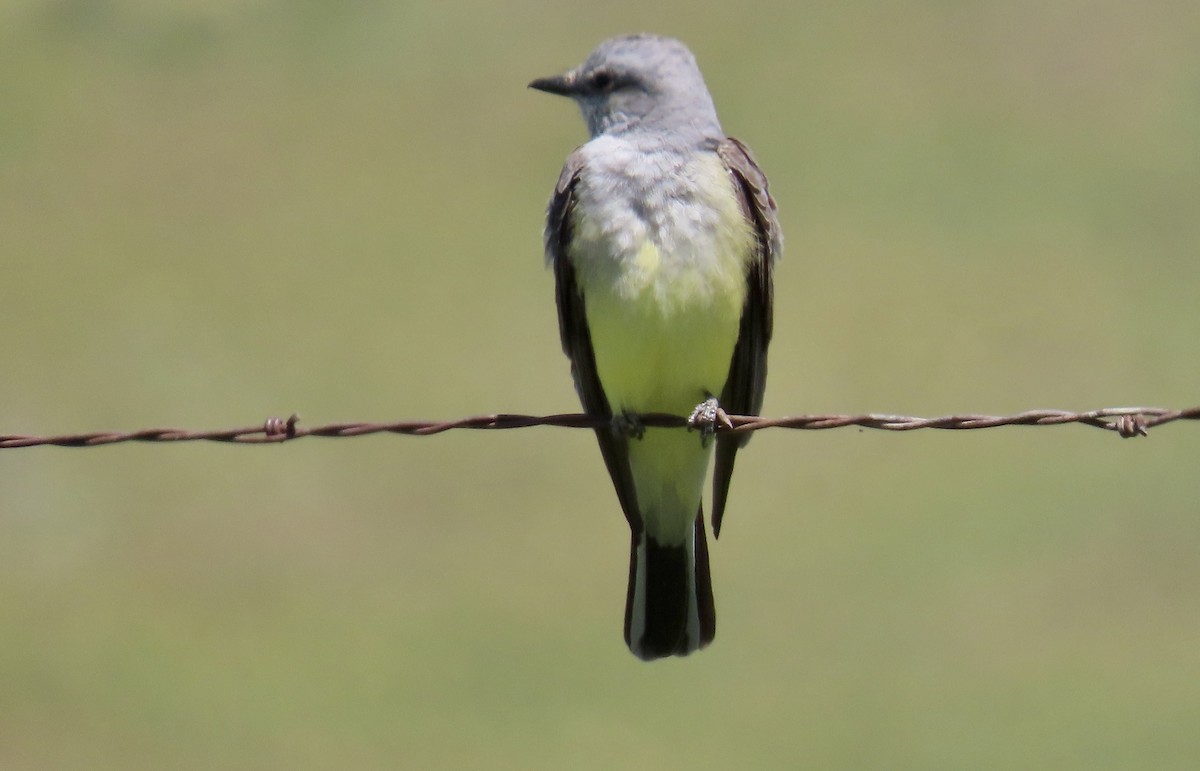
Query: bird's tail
{"type": "Point", "coordinates": [669, 610]}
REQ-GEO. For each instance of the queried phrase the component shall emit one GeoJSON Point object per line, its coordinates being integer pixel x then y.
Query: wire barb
{"type": "Point", "coordinates": [1127, 422]}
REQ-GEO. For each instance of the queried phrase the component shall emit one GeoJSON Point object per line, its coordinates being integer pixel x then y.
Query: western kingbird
{"type": "Point", "coordinates": [662, 235]}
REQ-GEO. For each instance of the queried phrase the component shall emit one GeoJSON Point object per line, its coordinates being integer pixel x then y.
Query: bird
{"type": "Point", "coordinates": [662, 235]}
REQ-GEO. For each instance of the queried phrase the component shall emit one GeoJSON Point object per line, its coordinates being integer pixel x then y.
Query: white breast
{"type": "Point", "coordinates": [663, 221]}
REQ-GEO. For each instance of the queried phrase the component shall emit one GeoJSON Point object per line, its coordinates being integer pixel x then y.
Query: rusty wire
{"type": "Point", "coordinates": [1125, 421]}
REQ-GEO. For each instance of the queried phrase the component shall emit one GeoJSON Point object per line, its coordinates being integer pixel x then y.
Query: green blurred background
{"type": "Point", "coordinates": [213, 212]}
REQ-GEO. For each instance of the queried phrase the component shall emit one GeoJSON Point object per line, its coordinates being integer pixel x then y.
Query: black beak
{"type": "Point", "coordinates": [562, 85]}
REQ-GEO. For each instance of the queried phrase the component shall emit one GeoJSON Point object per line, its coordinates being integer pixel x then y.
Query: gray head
{"type": "Point", "coordinates": [643, 83]}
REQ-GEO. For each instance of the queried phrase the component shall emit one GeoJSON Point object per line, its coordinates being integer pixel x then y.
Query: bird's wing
{"type": "Point", "coordinates": [743, 392]}
{"type": "Point", "coordinates": [577, 340]}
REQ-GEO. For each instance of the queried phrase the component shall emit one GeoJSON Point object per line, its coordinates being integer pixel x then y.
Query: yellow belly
{"type": "Point", "coordinates": [666, 347]}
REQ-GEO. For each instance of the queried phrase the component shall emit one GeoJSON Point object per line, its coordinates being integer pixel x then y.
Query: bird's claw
{"type": "Point", "coordinates": [707, 416]}
{"type": "Point", "coordinates": [628, 424]}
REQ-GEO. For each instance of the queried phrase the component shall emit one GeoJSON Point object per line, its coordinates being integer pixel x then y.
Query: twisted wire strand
{"type": "Point", "coordinates": [1125, 421]}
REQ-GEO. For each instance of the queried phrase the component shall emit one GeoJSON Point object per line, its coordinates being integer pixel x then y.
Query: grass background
{"type": "Point", "coordinates": [212, 212]}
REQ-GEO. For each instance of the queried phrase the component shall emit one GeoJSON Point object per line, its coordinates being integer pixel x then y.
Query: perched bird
{"type": "Point", "coordinates": [662, 235]}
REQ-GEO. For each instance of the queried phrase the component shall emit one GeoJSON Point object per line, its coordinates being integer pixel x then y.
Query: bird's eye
{"type": "Point", "coordinates": [603, 80]}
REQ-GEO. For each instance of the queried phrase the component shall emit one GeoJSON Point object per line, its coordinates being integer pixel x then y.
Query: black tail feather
{"type": "Point", "coordinates": [669, 608]}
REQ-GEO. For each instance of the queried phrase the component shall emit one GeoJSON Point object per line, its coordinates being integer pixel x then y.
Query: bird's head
{"type": "Point", "coordinates": [639, 83]}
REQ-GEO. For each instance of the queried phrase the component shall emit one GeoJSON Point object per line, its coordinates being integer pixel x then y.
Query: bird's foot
{"type": "Point", "coordinates": [628, 424]}
{"type": "Point", "coordinates": [707, 416]}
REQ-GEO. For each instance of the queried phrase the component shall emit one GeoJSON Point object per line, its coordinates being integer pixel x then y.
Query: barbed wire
{"type": "Point", "coordinates": [1125, 421]}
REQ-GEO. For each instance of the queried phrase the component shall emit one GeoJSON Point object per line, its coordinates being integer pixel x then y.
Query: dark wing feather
{"type": "Point", "coordinates": [743, 392]}
{"type": "Point", "coordinates": [577, 341]}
